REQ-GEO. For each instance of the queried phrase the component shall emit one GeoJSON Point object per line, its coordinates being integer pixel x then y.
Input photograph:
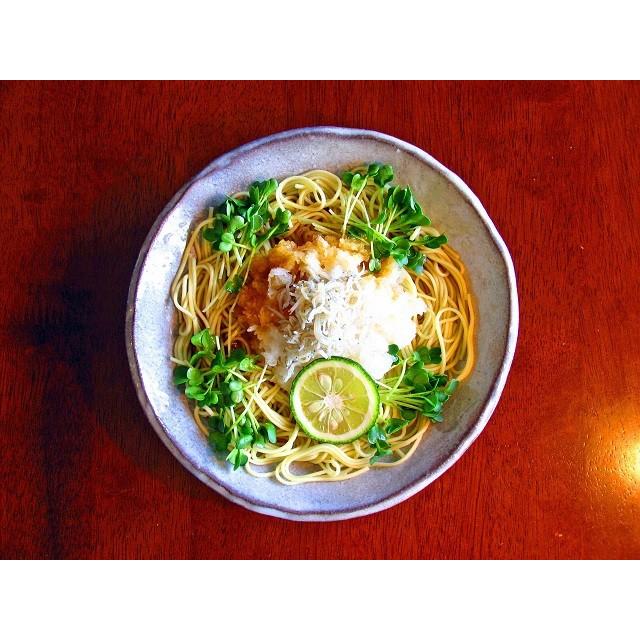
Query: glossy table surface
{"type": "Point", "coordinates": [86, 168]}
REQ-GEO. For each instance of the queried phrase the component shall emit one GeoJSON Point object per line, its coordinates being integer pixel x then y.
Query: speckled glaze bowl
{"type": "Point", "coordinates": [454, 209]}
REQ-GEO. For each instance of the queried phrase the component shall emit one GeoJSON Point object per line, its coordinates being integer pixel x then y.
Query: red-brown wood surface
{"type": "Point", "coordinates": [86, 167]}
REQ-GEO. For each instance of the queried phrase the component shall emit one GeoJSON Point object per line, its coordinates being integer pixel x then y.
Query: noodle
{"type": "Point", "coordinates": [318, 201]}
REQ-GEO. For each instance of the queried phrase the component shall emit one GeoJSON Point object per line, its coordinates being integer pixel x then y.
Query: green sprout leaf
{"type": "Point", "coordinates": [347, 178]}
{"type": "Point", "coordinates": [433, 242]}
{"type": "Point", "coordinates": [195, 376]}
{"type": "Point", "coordinates": [271, 432]}
{"type": "Point", "coordinates": [195, 393]}
{"type": "Point", "coordinates": [395, 424]}
{"type": "Point", "coordinates": [373, 169]}
{"type": "Point", "coordinates": [244, 441]}
{"type": "Point", "coordinates": [378, 440]}
{"type": "Point", "coordinates": [237, 458]}
{"type": "Point", "coordinates": [255, 223]}
{"type": "Point", "coordinates": [427, 356]}
{"type": "Point", "coordinates": [180, 375]}
{"type": "Point", "coordinates": [218, 441]}
{"type": "Point", "coordinates": [394, 350]}
{"type": "Point", "coordinates": [236, 222]}
{"type": "Point", "coordinates": [283, 216]}
{"type": "Point", "coordinates": [203, 340]}
{"type": "Point", "coordinates": [357, 182]}
{"type": "Point", "coordinates": [211, 235]}
{"type": "Point", "coordinates": [233, 285]}
{"type": "Point", "coordinates": [384, 175]}
{"type": "Point", "coordinates": [451, 387]}
{"type": "Point", "coordinates": [376, 434]}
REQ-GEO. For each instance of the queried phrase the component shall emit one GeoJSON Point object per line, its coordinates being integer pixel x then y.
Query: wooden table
{"type": "Point", "coordinates": [85, 169]}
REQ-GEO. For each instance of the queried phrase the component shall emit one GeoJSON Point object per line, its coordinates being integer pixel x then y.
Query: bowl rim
{"type": "Point", "coordinates": [497, 385]}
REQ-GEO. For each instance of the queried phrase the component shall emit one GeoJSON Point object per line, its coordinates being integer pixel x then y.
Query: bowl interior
{"type": "Point", "coordinates": [454, 211]}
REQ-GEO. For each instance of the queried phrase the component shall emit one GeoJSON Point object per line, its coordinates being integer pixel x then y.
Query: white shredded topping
{"type": "Point", "coordinates": [345, 311]}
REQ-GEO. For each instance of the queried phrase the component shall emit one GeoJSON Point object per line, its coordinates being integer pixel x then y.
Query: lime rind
{"type": "Point", "coordinates": [332, 377]}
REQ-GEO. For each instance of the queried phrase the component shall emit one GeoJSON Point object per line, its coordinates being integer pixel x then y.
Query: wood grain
{"type": "Point", "coordinates": [86, 167]}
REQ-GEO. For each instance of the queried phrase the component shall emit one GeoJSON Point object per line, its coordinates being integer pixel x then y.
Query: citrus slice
{"type": "Point", "coordinates": [334, 400]}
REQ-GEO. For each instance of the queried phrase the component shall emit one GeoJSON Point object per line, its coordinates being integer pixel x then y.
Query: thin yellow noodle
{"type": "Point", "coordinates": [318, 200]}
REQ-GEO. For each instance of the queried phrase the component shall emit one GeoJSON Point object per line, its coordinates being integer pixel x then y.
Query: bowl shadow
{"type": "Point", "coordinates": [96, 282]}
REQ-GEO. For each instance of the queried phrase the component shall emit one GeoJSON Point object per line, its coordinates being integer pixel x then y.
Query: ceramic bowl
{"type": "Point", "coordinates": [455, 210]}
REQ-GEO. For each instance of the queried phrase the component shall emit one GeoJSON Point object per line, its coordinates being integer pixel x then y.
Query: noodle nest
{"type": "Point", "coordinates": [318, 201]}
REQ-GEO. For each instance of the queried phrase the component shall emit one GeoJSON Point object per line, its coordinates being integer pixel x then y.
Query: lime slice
{"type": "Point", "coordinates": [334, 400]}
